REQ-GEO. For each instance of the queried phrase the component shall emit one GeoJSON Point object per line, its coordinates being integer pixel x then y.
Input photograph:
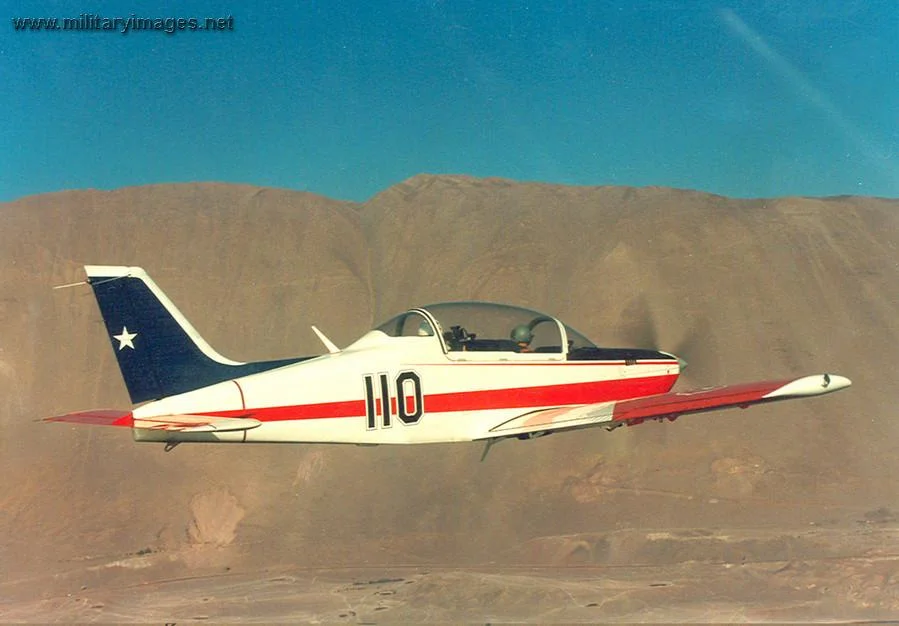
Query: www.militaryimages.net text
{"type": "Point", "coordinates": [93, 23]}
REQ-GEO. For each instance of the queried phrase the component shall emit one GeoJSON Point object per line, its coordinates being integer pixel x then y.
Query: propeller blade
{"type": "Point", "coordinates": [638, 326]}
{"type": "Point", "coordinates": [696, 351]}
{"type": "Point", "coordinates": [697, 348]}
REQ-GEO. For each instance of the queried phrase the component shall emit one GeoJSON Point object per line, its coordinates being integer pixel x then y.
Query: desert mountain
{"type": "Point", "coordinates": [752, 289]}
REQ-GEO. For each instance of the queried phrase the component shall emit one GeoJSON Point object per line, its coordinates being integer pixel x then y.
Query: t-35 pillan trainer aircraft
{"type": "Point", "coordinates": [452, 372]}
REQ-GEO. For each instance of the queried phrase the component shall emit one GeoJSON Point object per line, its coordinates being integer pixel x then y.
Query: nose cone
{"type": "Point", "coordinates": [682, 364]}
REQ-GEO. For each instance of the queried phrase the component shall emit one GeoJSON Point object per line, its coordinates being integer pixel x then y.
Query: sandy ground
{"type": "Point", "coordinates": [832, 575]}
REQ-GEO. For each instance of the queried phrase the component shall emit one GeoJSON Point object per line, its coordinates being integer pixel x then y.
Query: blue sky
{"type": "Point", "coordinates": [748, 99]}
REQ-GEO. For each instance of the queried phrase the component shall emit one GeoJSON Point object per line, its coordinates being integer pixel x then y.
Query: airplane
{"type": "Point", "coordinates": [448, 372]}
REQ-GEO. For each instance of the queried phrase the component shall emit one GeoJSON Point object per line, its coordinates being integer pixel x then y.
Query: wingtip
{"type": "Point", "coordinates": [839, 382]}
{"type": "Point", "coordinates": [815, 385]}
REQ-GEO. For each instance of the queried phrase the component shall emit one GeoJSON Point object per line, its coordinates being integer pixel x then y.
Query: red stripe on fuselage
{"type": "Point", "coordinates": [323, 410]}
{"type": "Point", "coordinates": [543, 363]}
{"type": "Point", "coordinates": [551, 395]}
{"type": "Point", "coordinates": [491, 399]}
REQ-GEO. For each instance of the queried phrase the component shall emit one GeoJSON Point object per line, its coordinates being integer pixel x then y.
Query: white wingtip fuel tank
{"type": "Point", "coordinates": [806, 386]}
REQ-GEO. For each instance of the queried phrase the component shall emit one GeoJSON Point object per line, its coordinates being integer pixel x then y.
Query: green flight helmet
{"type": "Point", "coordinates": [522, 334]}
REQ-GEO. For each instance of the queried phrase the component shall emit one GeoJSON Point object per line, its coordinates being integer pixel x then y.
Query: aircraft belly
{"type": "Point", "coordinates": [434, 428]}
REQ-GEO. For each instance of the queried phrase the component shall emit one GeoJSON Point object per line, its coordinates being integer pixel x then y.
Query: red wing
{"type": "Point", "coordinates": [667, 405]}
{"type": "Point", "coordinates": [678, 403]}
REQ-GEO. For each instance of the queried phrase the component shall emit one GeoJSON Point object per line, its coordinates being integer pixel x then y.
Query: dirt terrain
{"type": "Point", "coordinates": [778, 513]}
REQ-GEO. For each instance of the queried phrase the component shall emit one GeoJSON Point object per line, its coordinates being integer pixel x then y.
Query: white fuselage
{"type": "Point", "coordinates": [431, 395]}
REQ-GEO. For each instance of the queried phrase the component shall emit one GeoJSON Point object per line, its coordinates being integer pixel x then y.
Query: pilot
{"type": "Point", "coordinates": [522, 336]}
{"type": "Point", "coordinates": [424, 329]}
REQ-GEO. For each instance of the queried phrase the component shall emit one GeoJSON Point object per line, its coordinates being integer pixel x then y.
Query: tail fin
{"type": "Point", "coordinates": [159, 352]}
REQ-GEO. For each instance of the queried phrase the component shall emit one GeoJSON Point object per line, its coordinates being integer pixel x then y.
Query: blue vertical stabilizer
{"type": "Point", "coordinates": [159, 352]}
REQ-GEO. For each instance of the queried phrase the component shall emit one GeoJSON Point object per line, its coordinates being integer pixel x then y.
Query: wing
{"type": "Point", "coordinates": [665, 406]}
{"type": "Point", "coordinates": [175, 423]}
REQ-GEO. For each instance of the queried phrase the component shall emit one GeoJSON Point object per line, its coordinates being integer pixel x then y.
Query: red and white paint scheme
{"type": "Point", "coordinates": [451, 372]}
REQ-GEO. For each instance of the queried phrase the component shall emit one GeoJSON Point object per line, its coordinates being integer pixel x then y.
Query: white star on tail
{"type": "Point", "coordinates": [126, 339]}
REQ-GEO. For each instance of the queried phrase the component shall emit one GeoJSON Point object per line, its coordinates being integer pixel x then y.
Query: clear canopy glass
{"type": "Point", "coordinates": [486, 327]}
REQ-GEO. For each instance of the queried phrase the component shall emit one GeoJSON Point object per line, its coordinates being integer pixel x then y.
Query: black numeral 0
{"type": "Point", "coordinates": [403, 413]}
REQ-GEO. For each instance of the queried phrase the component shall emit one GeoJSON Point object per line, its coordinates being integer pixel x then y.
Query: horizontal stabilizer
{"type": "Point", "coordinates": [174, 423]}
{"type": "Point", "coordinates": [98, 417]}
{"type": "Point", "coordinates": [667, 405]}
{"type": "Point", "coordinates": [196, 423]}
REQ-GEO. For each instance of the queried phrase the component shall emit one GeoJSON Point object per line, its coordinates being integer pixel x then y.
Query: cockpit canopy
{"type": "Point", "coordinates": [487, 327]}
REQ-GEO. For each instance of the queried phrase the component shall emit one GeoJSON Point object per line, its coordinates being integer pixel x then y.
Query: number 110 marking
{"type": "Point", "coordinates": [407, 385]}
